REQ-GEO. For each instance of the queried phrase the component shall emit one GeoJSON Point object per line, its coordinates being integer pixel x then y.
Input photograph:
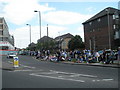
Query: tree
{"type": "Point", "coordinates": [47, 45]}
{"type": "Point", "coordinates": [31, 46]}
{"type": "Point", "coordinates": [76, 43]}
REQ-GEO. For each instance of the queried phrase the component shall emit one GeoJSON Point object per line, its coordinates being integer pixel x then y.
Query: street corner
{"type": "Point", "coordinates": [10, 66]}
{"type": "Point", "coordinates": [7, 66]}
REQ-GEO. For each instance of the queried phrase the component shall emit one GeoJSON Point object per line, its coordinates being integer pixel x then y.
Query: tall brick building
{"type": "Point", "coordinates": [102, 31]}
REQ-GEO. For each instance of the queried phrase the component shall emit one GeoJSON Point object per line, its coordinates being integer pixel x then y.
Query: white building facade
{"type": "Point", "coordinates": [6, 40]}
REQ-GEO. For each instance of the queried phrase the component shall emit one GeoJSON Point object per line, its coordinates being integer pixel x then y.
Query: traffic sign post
{"type": "Point", "coordinates": [16, 62]}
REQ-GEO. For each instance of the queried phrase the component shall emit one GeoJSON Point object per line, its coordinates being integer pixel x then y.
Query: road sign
{"type": "Point", "coordinates": [16, 62]}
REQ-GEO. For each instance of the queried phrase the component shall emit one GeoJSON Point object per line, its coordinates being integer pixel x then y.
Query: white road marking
{"type": "Point", "coordinates": [28, 66]}
{"type": "Point", "coordinates": [102, 80]}
{"type": "Point", "coordinates": [77, 75]}
{"type": "Point", "coordinates": [98, 80]}
{"type": "Point", "coordinates": [60, 76]}
{"type": "Point", "coordinates": [10, 62]}
{"type": "Point", "coordinates": [22, 70]}
{"type": "Point", "coordinates": [33, 74]}
{"type": "Point", "coordinates": [93, 80]}
{"type": "Point", "coordinates": [27, 70]}
{"type": "Point", "coordinates": [107, 79]}
{"type": "Point", "coordinates": [73, 74]}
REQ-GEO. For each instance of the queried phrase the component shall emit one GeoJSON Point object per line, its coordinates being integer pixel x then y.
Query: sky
{"type": "Point", "coordinates": [62, 17]}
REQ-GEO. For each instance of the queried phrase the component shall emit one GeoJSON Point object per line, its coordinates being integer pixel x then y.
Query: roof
{"type": "Point", "coordinates": [101, 13]}
{"type": "Point", "coordinates": [44, 39]}
{"type": "Point", "coordinates": [32, 44]}
{"type": "Point", "coordinates": [68, 35]}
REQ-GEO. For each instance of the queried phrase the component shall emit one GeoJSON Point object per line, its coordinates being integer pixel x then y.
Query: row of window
{"type": "Point", "coordinates": [115, 16]}
{"type": "Point", "coordinates": [1, 20]}
{"type": "Point", "coordinates": [99, 19]}
{"type": "Point", "coordinates": [1, 32]}
{"type": "Point", "coordinates": [1, 26]}
{"type": "Point", "coordinates": [93, 30]}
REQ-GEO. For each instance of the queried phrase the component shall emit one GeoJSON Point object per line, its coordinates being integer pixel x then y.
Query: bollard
{"type": "Point", "coordinates": [15, 62]}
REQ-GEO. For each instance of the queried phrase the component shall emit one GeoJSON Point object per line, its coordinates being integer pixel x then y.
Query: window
{"type": "Point", "coordinates": [116, 16]}
{"type": "Point", "coordinates": [116, 36]}
{"type": "Point", "coordinates": [90, 23]}
{"type": "Point", "coordinates": [99, 20]}
{"type": "Point", "coordinates": [1, 26]}
{"type": "Point", "coordinates": [0, 20]}
{"type": "Point", "coordinates": [1, 32]}
{"type": "Point", "coordinates": [114, 26]}
{"type": "Point", "coordinates": [113, 16]}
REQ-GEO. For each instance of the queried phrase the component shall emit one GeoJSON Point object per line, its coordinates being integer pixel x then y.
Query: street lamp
{"type": "Point", "coordinates": [107, 10]}
{"type": "Point", "coordinates": [39, 21]}
{"type": "Point", "coordinates": [30, 31]}
{"type": "Point", "coordinates": [59, 41]}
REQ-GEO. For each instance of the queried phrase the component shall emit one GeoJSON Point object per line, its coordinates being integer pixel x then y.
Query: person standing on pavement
{"type": "Point", "coordinates": [104, 56]}
{"type": "Point", "coordinates": [58, 54]}
{"type": "Point", "coordinates": [97, 55]}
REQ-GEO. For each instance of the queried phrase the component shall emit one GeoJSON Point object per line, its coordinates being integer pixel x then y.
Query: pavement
{"type": "Point", "coordinates": [9, 66]}
{"type": "Point", "coordinates": [114, 65]}
{"type": "Point", "coordinates": [95, 64]}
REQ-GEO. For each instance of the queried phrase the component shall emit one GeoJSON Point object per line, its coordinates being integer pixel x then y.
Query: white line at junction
{"type": "Point", "coordinates": [33, 74]}
{"type": "Point", "coordinates": [73, 74]}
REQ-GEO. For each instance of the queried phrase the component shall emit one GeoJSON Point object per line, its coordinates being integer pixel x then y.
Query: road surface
{"type": "Point", "coordinates": [44, 74]}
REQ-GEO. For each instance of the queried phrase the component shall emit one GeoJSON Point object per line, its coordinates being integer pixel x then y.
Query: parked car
{"type": "Point", "coordinates": [11, 55]}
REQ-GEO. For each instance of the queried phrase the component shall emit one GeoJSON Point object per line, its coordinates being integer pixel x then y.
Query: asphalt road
{"type": "Point", "coordinates": [45, 74]}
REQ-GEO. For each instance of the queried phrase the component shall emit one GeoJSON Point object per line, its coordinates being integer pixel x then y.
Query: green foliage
{"type": "Point", "coordinates": [73, 60]}
{"type": "Point", "coordinates": [76, 43]}
{"type": "Point", "coordinates": [31, 46]}
{"type": "Point", "coordinates": [48, 45]}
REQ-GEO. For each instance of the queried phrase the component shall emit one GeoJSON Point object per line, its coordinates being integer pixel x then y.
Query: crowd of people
{"type": "Point", "coordinates": [87, 56]}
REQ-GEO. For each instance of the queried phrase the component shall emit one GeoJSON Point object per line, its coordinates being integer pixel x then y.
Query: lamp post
{"type": "Point", "coordinates": [30, 31]}
{"type": "Point", "coordinates": [107, 10]}
{"type": "Point", "coordinates": [39, 21]}
{"type": "Point", "coordinates": [90, 44]}
{"type": "Point", "coordinates": [47, 38]}
{"type": "Point", "coordinates": [59, 41]}
{"type": "Point", "coordinates": [47, 30]}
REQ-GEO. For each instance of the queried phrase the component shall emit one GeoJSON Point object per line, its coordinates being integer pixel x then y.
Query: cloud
{"type": "Point", "coordinates": [79, 0]}
{"type": "Point", "coordinates": [20, 12]}
{"type": "Point", "coordinates": [53, 30]}
{"type": "Point", "coordinates": [90, 9]}
{"type": "Point", "coordinates": [22, 36]}
{"type": "Point", "coordinates": [64, 17]}
{"type": "Point", "coordinates": [81, 32]}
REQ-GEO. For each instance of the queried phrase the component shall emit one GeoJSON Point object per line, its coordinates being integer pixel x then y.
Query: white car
{"type": "Point", "coordinates": [11, 55]}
